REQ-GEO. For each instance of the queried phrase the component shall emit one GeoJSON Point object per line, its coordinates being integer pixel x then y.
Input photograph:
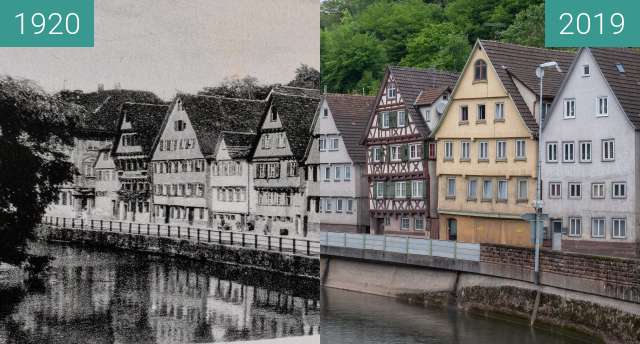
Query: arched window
{"type": "Point", "coordinates": [480, 70]}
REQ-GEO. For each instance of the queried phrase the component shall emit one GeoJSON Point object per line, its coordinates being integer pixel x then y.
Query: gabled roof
{"type": "Point", "coordinates": [211, 115]}
{"type": "Point", "coordinates": [296, 108]}
{"type": "Point", "coordinates": [238, 144]}
{"type": "Point", "coordinates": [511, 61]}
{"type": "Point", "coordinates": [145, 120]}
{"type": "Point", "coordinates": [350, 114]}
{"type": "Point", "coordinates": [429, 95]}
{"type": "Point", "coordinates": [104, 106]}
{"type": "Point", "coordinates": [625, 85]}
{"type": "Point", "coordinates": [410, 82]}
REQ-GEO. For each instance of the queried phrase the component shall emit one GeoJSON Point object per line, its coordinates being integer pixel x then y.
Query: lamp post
{"type": "Point", "coordinates": [538, 204]}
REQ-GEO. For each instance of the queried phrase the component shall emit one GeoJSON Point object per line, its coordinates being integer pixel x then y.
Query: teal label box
{"type": "Point", "coordinates": [592, 23]}
{"type": "Point", "coordinates": [46, 23]}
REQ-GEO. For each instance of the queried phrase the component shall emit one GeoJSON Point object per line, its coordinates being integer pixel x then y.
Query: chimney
{"type": "Point", "coordinates": [100, 87]}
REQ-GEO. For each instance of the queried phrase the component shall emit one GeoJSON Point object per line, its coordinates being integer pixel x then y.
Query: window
{"type": "Point", "coordinates": [608, 150]}
{"type": "Point", "coordinates": [483, 152]}
{"type": "Point", "coordinates": [618, 190]}
{"type": "Point", "coordinates": [414, 151]}
{"type": "Point", "coordinates": [521, 152]}
{"type": "Point", "coordinates": [325, 112]}
{"type": "Point", "coordinates": [619, 229]}
{"type": "Point", "coordinates": [417, 188]}
{"type": "Point", "coordinates": [575, 226]}
{"type": "Point", "coordinates": [327, 173]}
{"type": "Point", "coordinates": [602, 106]}
{"type": "Point", "coordinates": [377, 154]}
{"type": "Point", "coordinates": [427, 115]}
{"type": "Point", "coordinates": [339, 205]}
{"type": "Point", "coordinates": [464, 152]}
{"type": "Point", "coordinates": [266, 144]}
{"type": "Point", "coordinates": [569, 108]}
{"type": "Point", "coordinates": [405, 223]}
{"type": "Point", "coordinates": [338, 173]}
{"type": "Point", "coordinates": [391, 91]}
{"type": "Point", "coordinates": [567, 152]}
{"type": "Point", "coordinates": [328, 205]}
{"type": "Point", "coordinates": [387, 221]}
{"type": "Point", "coordinates": [448, 150]}
{"type": "Point", "coordinates": [401, 190]}
{"type": "Point", "coordinates": [322, 144]}
{"type": "Point", "coordinates": [585, 151]}
{"type": "Point", "coordinates": [499, 112]}
{"type": "Point", "coordinates": [379, 189]}
{"type": "Point", "coordinates": [395, 153]}
{"type": "Point", "coordinates": [501, 150]}
{"type": "Point", "coordinates": [274, 115]}
{"type": "Point", "coordinates": [472, 190]}
{"type": "Point", "coordinates": [402, 119]}
{"type": "Point", "coordinates": [523, 189]}
{"type": "Point", "coordinates": [546, 106]}
{"type": "Point", "coordinates": [482, 113]}
{"type": "Point", "coordinates": [419, 222]}
{"type": "Point", "coordinates": [179, 125]}
{"type": "Point", "coordinates": [487, 190]}
{"type": "Point", "coordinates": [480, 71]}
{"type": "Point", "coordinates": [464, 113]}
{"type": "Point", "coordinates": [432, 150]}
{"type": "Point", "coordinates": [620, 67]}
{"type": "Point", "coordinates": [555, 190]}
{"type": "Point", "coordinates": [597, 227]}
{"type": "Point", "coordinates": [552, 152]}
{"type": "Point", "coordinates": [347, 173]}
{"type": "Point", "coordinates": [349, 206]}
{"type": "Point", "coordinates": [334, 143]}
{"type": "Point", "coordinates": [385, 120]}
{"type": "Point", "coordinates": [451, 187]}
{"type": "Point", "coordinates": [586, 70]}
{"type": "Point", "coordinates": [575, 190]}
{"type": "Point", "coordinates": [503, 190]}
{"type": "Point", "coordinates": [597, 190]}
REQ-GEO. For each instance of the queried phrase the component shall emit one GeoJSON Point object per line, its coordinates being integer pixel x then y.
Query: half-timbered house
{"type": "Point", "coordinates": [399, 157]}
{"type": "Point", "coordinates": [107, 186]}
{"type": "Point", "coordinates": [337, 186]}
{"type": "Point", "coordinates": [277, 160]}
{"type": "Point", "coordinates": [138, 126]}
{"type": "Point", "coordinates": [188, 137]}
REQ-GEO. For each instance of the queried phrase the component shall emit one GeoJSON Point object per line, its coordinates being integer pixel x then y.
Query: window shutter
{"type": "Point", "coordinates": [393, 119]}
{"type": "Point", "coordinates": [406, 119]}
{"type": "Point", "coordinates": [387, 153]}
{"type": "Point", "coordinates": [408, 188]}
{"type": "Point", "coordinates": [404, 152]}
{"type": "Point", "coordinates": [379, 124]}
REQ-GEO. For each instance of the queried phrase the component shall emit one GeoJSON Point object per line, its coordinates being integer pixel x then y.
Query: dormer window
{"type": "Point", "coordinates": [586, 70]}
{"type": "Point", "coordinates": [325, 113]}
{"type": "Point", "coordinates": [480, 71]}
{"type": "Point", "coordinates": [179, 125]}
{"type": "Point", "coordinates": [274, 115]}
{"type": "Point", "coordinates": [391, 91]}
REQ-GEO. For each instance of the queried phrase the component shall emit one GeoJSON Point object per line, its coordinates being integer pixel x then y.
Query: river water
{"type": "Point", "coordinates": [97, 297]}
{"type": "Point", "coordinates": [354, 318]}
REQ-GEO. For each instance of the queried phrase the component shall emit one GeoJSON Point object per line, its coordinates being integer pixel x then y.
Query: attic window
{"type": "Point", "coordinates": [179, 125]}
{"type": "Point", "coordinates": [585, 70]}
{"type": "Point", "coordinates": [620, 67]}
{"type": "Point", "coordinates": [325, 113]}
{"type": "Point", "coordinates": [274, 115]}
{"type": "Point", "coordinates": [480, 71]}
{"type": "Point", "coordinates": [391, 91]}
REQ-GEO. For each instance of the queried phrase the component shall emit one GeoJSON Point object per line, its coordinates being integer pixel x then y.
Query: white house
{"type": "Point", "coordinates": [107, 186]}
{"type": "Point", "coordinates": [591, 145]}
{"type": "Point", "coordinates": [337, 185]}
{"type": "Point", "coordinates": [277, 159]}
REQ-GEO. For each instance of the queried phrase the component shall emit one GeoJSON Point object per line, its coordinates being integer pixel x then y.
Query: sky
{"type": "Point", "coordinates": [169, 46]}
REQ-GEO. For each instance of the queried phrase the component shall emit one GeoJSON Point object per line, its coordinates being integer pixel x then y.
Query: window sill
{"type": "Point", "coordinates": [481, 121]}
{"type": "Point", "coordinates": [619, 238]}
{"type": "Point", "coordinates": [608, 160]}
{"type": "Point", "coordinates": [498, 120]}
{"type": "Point", "coordinates": [603, 115]}
{"type": "Point", "coordinates": [463, 122]}
{"type": "Point", "coordinates": [487, 200]}
{"type": "Point", "coordinates": [575, 198]}
{"type": "Point", "coordinates": [568, 161]}
{"type": "Point", "coordinates": [551, 162]}
{"type": "Point", "coordinates": [472, 199]}
{"type": "Point", "coordinates": [465, 160]}
{"type": "Point", "coordinates": [520, 201]}
{"type": "Point", "coordinates": [501, 201]}
{"type": "Point", "coordinates": [448, 159]}
{"type": "Point", "coordinates": [501, 160]}
{"type": "Point", "coordinates": [568, 117]}
{"type": "Point", "coordinates": [483, 160]}
{"type": "Point", "coordinates": [450, 197]}
{"type": "Point", "coordinates": [520, 159]}
{"type": "Point", "coordinates": [481, 81]}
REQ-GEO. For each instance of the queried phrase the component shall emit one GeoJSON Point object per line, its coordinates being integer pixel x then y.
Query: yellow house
{"type": "Point", "coordinates": [487, 143]}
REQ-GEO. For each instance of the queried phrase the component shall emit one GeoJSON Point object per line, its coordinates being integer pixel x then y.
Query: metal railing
{"type": "Point", "coordinates": [405, 245]}
{"type": "Point", "coordinates": [275, 243]}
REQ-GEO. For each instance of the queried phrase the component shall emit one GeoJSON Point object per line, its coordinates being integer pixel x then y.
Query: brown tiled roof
{"type": "Point", "coordinates": [625, 86]}
{"type": "Point", "coordinates": [350, 113]}
{"type": "Point", "coordinates": [211, 115]}
{"type": "Point", "coordinates": [512, 61]}
{"type": "Point", "coordinates": [238, 144]}
{"type": "Point", "coordinates": [411, 81]}
{"type": "Point", "coordinates": [430, 94]}
{"type": "Point", "coordinates": [145, 119]}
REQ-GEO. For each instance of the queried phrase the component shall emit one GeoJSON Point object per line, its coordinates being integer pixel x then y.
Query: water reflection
{"type": "Point", "coordinates": [99, 297]}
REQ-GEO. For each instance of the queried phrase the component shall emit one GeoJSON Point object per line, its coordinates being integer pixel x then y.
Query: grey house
{"type": "Point", "coordinates": [591, 163]}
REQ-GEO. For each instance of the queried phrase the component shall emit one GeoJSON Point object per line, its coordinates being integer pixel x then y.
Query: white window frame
{"type": "Point", "coordinates": [465, 150]}
{"type": "Point", "coordinates": [462, 113]}
{"type": "Point", "coordinates": [521, 149]}
{"type": "Point", "coordinates": [583, 150]}
{"type": "Point", "coordinates": [552, 152]}
{"type": "Point", "coordinates": [413, 152]}
{"type": "Point", "coordinates": [503, 190]}
{"type": "Point", "coordinates": [601, 227]}
{"type": "Point", "coordinates": [385, 120]}
{"type": "Point", "coordinates": [337, 173]}
{"type": "Point", "coordinates": [621, 188]}
{"type": "Point", "coordinates": [499, 115]}
{"type": "Point", "coordinates": [379, 190]}
{"type": "Point", "coordinates": [451, 192]}
{"type": "Point", "coordinates": [586, 70]}
{"type": "Point", "coordinates": [484, 113]}
{"type": "Point", "coordinates": [555, 190]}
{"type": "Point", "coordinates": [501, 154]}
{"type": "Point", "coordinates": [602, 106]}
{"type": "Point", "coordinates": [520, 197]}
{"type": "Point", "coordinates": [417, 188]}
{"type": "Point", "coordinates": [327, 173]}
{"type": "Point", "coordinates": [609, 150]}
{"type": "Point", "coordinates": [574, 186]}
{"type": "Point", "coordinates": [391, 91]}
{"type": "Point", "coordinates": [401, 189]}
{"type": "Point", "coordinates": [448, 150]}
{"type": "Point", "coordinates": [349, 206]}
{"type": "Point", "coordinates": [405, 223]}
{"type": "Point", "coordinates": [403, 123]}
{"type": "Point", "coordinates": [375, 151]}
{"type": "Point", "coordinates": [347, 173]}
{"type": "Point", "coordinates": [569, 108]}
{"type": "Point", "coordinates": [420, 226]}
{"type": "Point", "coordinates": [487, 195]}
{"type": "Point", "coordinates": [575, 226]}
{"type": "Point", "coordinates": [395, 152]}
{"type": "Point", "coordinates": [616, 228]}
{"type": "Point", "coordinates": [483, 150]}
{"type": "Point", "coordinates": [597, 191]}
{"type": "Point", "coordinates": [565, 158]}
{"type": "Point", "coordinates": [339, 205]}
{"type": "Point", "coordinates": [472, 192]}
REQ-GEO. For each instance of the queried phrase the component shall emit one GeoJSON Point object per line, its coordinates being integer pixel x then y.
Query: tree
{"type": "Point", "coordinates": [306, 77]}
{"type": "Point", "coordinates": [247, 88]}
{"type": "Point", "coordinates": [36, 130]}
{"type": "Point", "coordinates": [528, 27]}
{"type": "Point", "coordinates": [441, 46]}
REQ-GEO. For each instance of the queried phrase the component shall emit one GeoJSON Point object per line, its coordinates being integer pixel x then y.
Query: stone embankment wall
{"type": "Point", "coordinates": [303, 266]}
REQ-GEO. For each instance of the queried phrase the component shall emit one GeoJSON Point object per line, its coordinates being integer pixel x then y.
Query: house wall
{"type": "Point", "coordinates": [588, 126]}
{"type": "Point", "coordinates": [479, 219]}
{"type": "Point", "coordinates": [107, 186]}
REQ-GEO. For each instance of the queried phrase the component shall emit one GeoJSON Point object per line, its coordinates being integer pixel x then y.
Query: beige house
{"type": "Point", "coordinates": [487, 143]}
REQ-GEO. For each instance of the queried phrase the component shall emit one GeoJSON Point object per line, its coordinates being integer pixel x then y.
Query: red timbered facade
{"type": "Point", "coordinates": [400, 159]}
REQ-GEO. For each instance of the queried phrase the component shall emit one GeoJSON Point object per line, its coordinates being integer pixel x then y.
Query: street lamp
{"type": "Point", "coordinates": [538, 204]}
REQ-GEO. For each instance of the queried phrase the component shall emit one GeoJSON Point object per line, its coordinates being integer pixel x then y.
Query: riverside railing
{"type": "Point", "coordinates": [197, 234]}
{"type": "Point", "coordinates": [405, 245]}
